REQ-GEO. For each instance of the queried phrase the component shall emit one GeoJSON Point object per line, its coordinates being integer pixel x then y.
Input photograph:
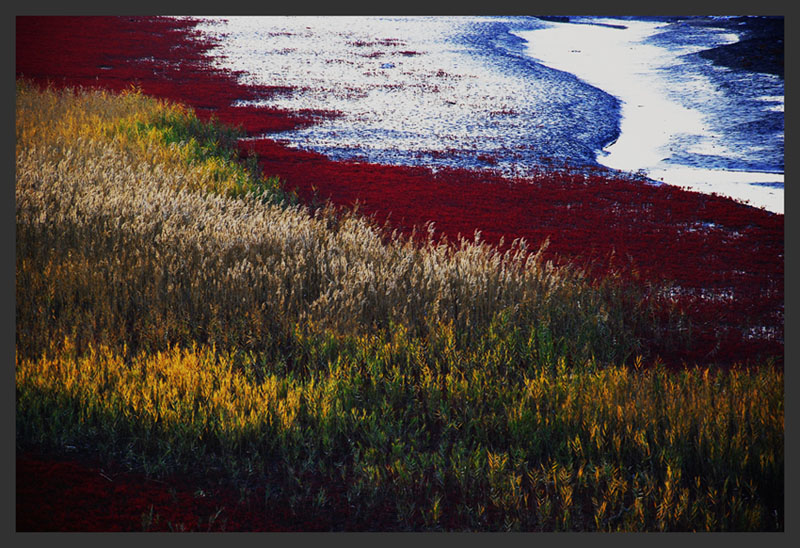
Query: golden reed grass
{"type": "Point", "coordinates": [125, 239]}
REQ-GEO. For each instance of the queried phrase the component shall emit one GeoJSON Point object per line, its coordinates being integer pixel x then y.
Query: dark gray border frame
{"type": "Point", "coordinates": [410, 7]}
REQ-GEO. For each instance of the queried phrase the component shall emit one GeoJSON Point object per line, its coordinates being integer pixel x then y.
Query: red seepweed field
{"type": "Point", "coordinates": [725, 259]}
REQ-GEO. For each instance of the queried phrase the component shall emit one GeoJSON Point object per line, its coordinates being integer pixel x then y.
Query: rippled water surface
{"type": "Point", "coordinates": [683, 119]}
{"type": "Point", "coordinates": [515, 93]}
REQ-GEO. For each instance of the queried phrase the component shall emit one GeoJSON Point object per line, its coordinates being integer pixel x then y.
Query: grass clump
{"type": "Point", "coordinates": [140, 130]}
{"type": "Point", "coordinates": [115, 244]}
{"type": "Point", "coordinates": [435, 437]}
{"type": "Point", "coordinates": [176, 311]}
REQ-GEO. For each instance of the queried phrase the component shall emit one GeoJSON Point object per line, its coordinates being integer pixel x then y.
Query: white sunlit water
{"type": "Point", "coordinates": [513, 93]}
{"type": "Point", "coordinates": [409, 90]}
{"type": "Point", "coordinates": [664, 110]}
{"type": "Point", "coordinates": [604, 56]}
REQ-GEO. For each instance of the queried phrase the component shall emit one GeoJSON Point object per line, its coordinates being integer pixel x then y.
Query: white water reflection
{"type": "Point", "coordinates": [667, 109]}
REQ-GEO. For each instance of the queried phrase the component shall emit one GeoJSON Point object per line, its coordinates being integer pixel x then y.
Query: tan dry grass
{"type": "Point", "coordinates": [124, 239]}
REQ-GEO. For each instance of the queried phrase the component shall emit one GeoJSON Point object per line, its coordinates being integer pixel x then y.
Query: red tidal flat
{"type": "Point", "coordinates": [47, 489]}
{"type": "Point", "coordinates": [727, 258]}
{"type": "Point", "coordinates": [62, 494]}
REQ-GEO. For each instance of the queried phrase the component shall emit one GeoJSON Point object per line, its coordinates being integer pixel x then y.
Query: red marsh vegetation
{"type": "Point", "coordinates": [63, 494]}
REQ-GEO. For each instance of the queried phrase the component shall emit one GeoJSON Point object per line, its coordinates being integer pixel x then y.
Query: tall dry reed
{"type": "Point", "coordinates": [125, 238]}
